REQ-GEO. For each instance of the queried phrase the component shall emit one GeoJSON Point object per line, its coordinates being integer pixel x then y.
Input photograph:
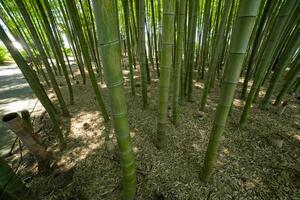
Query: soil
{"type": "Point", "coordinates": [249, 166]}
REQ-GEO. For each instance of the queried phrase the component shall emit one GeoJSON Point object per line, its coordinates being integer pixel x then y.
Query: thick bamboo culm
{"type": "Point", "coordinates": [22, 129]}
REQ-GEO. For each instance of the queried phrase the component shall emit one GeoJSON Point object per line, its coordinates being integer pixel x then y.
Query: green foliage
{"type": "Point", "coordinates": [4, 55]}
{"type": "Point", "coordinates": [69, 52]}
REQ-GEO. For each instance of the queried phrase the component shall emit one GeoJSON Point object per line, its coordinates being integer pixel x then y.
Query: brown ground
{"type": "Point", "coordinates": [248, 166]}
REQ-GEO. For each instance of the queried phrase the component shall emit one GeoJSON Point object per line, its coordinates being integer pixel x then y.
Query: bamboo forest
{"type": "Point", "coordinates": [149, 99]}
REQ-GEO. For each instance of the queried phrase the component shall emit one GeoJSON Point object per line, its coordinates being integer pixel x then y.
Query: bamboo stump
{"type": "Point", "coordinates": [25, 132]}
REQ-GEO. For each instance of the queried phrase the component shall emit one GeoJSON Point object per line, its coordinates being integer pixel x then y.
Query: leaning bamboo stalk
{"type": "Point", "coordinates": [291, 78]}
{"type": "Point", "coordinates": [246, 17]}
{"type": "Point", "coordinates": [217, 52]}
{"type": "Point", "coordinates": [89, 38]}
{"type": "Point", "coordinates": [95, 40]}
{"type": "Point", "coordinates": [40, 48]}
{"type": "Point", "coordinates": [35, 86]}
{"type": "Point", "coordinates": [55, 46]}
{"type": "Point", "coordinates": [287, 55]}
{"type": "Point", "coordinates": [272, 44]}
{"type": "Point", "coordinates": [86, 56]}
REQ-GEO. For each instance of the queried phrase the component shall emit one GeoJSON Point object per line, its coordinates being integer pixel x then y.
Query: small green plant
{"type": "Point", "coordinates": [69, 51]}
{"type": "Point", "coordinates": [4, 55]}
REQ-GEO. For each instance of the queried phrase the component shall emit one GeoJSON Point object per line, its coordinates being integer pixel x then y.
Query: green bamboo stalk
{"type": "Point", "coordinates": [54, 45]}
{"type": "Point", "coordinates": [127, 24]}
{"type": "Point", "coordinates": [159, 25]}
{"type": "Point", "coordinates": [68, 61]}
{"type": "Point", "coordinates": [291, 22]}
{"type": "Point", "coordinates": [178, 58]}
{"type": "Point", "coordinates": [74, 41]}
{"type": "Point", "coordinates": [150, 56]}
{"type": "Point", "coordinates": [59, 38]}
{"type": "Point", "coordinates": [287, 55]}
{"type": "Point", "coordinates": [134, 22]}
{"type": "Point", "coordinates": [71, 5]}
{"type": "Point", "coordinates": [19, 37]}
{"type": "Point", "coordinates": [271, 46]}
{"type": "Point", "coordinates": [107, 28]}
{"type": "Point", "coordinates": [217, 52]}
{"type": "Point", "coordinates": [9, 20]}
{"type": "Point", "coordinates": [226, 37]}
{"type": "Point", "coordinates": [244, 24]}
{"type": "Point", "coordinates": [147, 71]}
{"type": "Point", "coordinates": [132, 40]}
{"type": "Point", "coordinates": [198, 50]}
{"type": "Point", "coordinates": [35, 86]}
{"type": "Point", "coordinates": [70, 38]}
{"type": "Point", "coordinates": [270, 18]}
{"type": "Point", "coordinates": [291, 78]}
{"type": "Point", "coordinates": [165, 68]}
{"type": "Point", "coordinates": [296, 89]}
{"type": "Point", "coordinates": [269, 22]}
{"type": "Point", "coordinates": [41, 30]}
{"type": "Point", "coordinates": [258, 34]}
{"type": "Point", "coordinates": [155, 38]}
{"type": "Point", "coordinates": [217, 17]}
{"type": "Point", "coordinates": [90, 41]}
{"type": "Point", "coordinates": [191, 49]}
{"type": "Point", "coordinates": [206, 20]}
{"type": "Point", "coordinates": [16, 20]}
{"type": "Point", "coordinates": [142, 51]}
{"type": "Point", "coordinates": [183, 67]}
{"type": "Point", "coordinates": [188, 45]}
{"type": "Point", "coordinates": [95, 40]}
{"type": "Point", "coordinates": [39, 46]}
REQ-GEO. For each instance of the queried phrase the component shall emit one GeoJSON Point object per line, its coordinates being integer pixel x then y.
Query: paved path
{"type": "Point", "coordinates": [15, 95]}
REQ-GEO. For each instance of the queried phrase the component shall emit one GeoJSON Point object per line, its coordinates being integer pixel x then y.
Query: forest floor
{"type": "Point", "coordinates": [249, 166]}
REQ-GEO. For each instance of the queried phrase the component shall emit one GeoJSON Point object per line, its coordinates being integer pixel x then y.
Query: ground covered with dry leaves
{"type": "Point", "coordinates": [249, 166]}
